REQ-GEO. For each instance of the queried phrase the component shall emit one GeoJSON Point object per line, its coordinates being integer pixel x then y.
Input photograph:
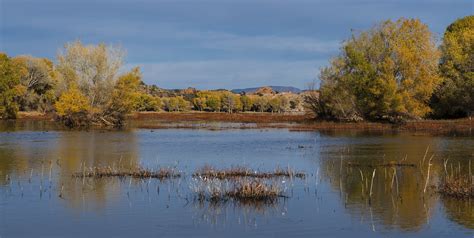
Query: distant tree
{"type": "Point", "coordinates": [146, 102]}
{"type": "Point", "coordinates": [283, 104]}
{"type": "Point", "coordinates": [274, 104]}
{"type": "Point", "coordinates": [213, 103]}
{"type": "Point", "coordinates": [295, 103]}
{"type": "Point", "coordinates": [199, 103]}
{"type": "Point", "coordinates": [386, 73]}
{"type": "Point", "coordinates": [176, 104]}
{"type": "Point", "coordinates": [230, 102]}
{"type": "Point", "coordinates": [261, 103]}
{"type": "Point", "coordinates": [10, 74]}
{"type": "Point", "coordinates": [246, 102]}
{"type": "Point", "coordinates": [455, 96]}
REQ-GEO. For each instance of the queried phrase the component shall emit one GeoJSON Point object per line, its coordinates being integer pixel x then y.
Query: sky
{"type": "Point", "coordinates": [211, 44]}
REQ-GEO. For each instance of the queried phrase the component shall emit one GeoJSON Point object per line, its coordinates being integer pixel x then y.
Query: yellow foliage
{"type": "Point", "coordinates": [386, 73]}
{"type": "Point", "coordinates": [72, 101]}
{"type": "Point", "coordinates": [126, 95]}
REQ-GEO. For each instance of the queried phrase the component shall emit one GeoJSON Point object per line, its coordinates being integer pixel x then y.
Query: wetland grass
{"type": "Point", "coordinates": [386, 164]}
{"type": "Point", "coordinates": [236, 172]}
{"type": "Point", "coordinates": [240, 189]}
{"type": "Point", "coordinates": [104, 172]}
{"type": "Point", "coordinates": [460, 187]}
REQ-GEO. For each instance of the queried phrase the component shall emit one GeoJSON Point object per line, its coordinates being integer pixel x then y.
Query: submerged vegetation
{"type": "Point", "coordinates": [104, 172]}
{"type": "Point", "coordinates": [238, 172]}
{"type": "Point", "coordinates": [388, 164]}
{"type": "Point", "coordinates": [240, 189]}
{"type": "Point", "coordinates": [457, 187]}
{"type": "Point", "coordinates": [237, 183]}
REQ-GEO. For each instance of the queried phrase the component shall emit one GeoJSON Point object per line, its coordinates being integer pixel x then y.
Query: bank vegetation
{"type": "Point", "coordinates": [393, 72]}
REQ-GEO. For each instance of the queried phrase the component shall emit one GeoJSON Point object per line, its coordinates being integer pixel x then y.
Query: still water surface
{"type": "Point", "coordinates": [39, 197]}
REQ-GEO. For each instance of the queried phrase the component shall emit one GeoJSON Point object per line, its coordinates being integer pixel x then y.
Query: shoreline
{"type": "Point", "coordinates": [258, 120]}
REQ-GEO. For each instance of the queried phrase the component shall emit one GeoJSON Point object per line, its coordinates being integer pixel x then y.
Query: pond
{"type": "Point", "coordinates": [350, 187]}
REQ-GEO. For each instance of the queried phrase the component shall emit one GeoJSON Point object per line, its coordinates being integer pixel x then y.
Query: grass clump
{"type": "Point", "coordinates": [103, 172]}
{"type": "Point", "coordinates": [236, 172]}
{"type": "Point", "coordinates": [387, 164]}
{"type": "Point", "coordinates": [457, 187]}
{"type": "Point", "coordinates": [245, 189]}
{"type": "Point", "coordinates": [255, 190]}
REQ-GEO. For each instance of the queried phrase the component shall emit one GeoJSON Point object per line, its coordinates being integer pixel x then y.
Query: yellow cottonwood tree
{"type": "Point", "coordinates": [72, 101]}
{"type": "Point", "coordinates": [455, 97]}
{"type": "Point", "coordinates": [386, 73]}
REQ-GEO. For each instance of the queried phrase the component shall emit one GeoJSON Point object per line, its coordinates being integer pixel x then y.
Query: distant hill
{"type": "Point", "coordinates": [274, 88]}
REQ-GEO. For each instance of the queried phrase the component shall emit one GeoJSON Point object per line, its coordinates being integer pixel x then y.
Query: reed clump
{"type": "Point", "coordinates": [254, 190]}
{"type": "Point", "coordinates": [457, 187]}
{"type": "Point", "coordinates": [387, 164]}
{"type": "Point", "coordinates": [214, 189]}
{"type": "Point", "coordinates": [236, 172]}
{"type": "Point", "coordinates": [104, 172]}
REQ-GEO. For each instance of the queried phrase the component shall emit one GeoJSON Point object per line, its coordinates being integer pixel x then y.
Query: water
{"type": "Point", "coordinates": [39, 197]}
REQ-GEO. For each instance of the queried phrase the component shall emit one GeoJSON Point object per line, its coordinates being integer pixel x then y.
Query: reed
{"type": "Point", "coordinates": [459, 187]}
{"type": "Point", "coordinates": [241, 189]}
{"type": "Point", "coordinates": [103, 172]}
{"type": "Point", "coordinates": [389, 164]}
{"type": "Point", "coordinates": [235, 172]}
{"type": "Point", "coordinates": [254, 190]}
{"type": "Point", "coordinates": [372, 182]}
{"type": "Point", "coordinates": [428, 175]}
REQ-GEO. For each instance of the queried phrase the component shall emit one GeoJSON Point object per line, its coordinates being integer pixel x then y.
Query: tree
{"type": "Point", "coordinates": [175, 104]}
{"type": "Point", "coordinates": [72, 101]}
{"type": "Point", "coordinates": [125, 93]}
{"type": "Point", "coordinates": [230, 102]}
{"type": "Point", "coordinates": [278, 104]}
{"type": "Point", "coordinates": [386, 73]}
{"type": "Point", "coordinates": [261, 103]}
{"type": "Point", "coordinates": [10, 74]}
{"type": "Point", "coordinates": [199, 103]}
{"type": "Point", "coordinates": [213, 103]}
{"type": "Point", "coordinates": [93, 68]}
{"type": "Point", "coordinates": [455, 97]}
{"type": "Point", "coordinates": [37, 83]}
{"type": "Point", "coordinates": [246, 102]}
{"type": "Point", "coordinates": [274, 104]}
{"type": "Point", "coordinates": [73, 108]}
{"type": "Point", "coordinates": [147, 102]}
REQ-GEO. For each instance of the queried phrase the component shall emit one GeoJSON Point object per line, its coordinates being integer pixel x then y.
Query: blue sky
{"type": "Point", "coordinates": [212, 43]}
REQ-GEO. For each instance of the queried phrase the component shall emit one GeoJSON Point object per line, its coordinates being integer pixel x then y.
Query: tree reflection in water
{"type": "Point", "coordinates": [245, 212]}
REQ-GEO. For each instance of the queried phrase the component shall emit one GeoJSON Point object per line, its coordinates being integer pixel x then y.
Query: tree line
{"type": "Point", "coordinates": [85, 88]}
{"type": "Point", "coordinates": [395, 71]}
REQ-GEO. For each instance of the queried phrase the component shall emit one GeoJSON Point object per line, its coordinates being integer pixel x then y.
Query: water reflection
{"type": "Point", "coordinates": [394, 196]}
{"type": "Point", "coordinates": [245, 212]}
{"type": "Point", "coordinates": [36, 163]}
{"type": "Point", "coordinates": [80, 150]}
{"type": "Point", "coordinates": [460, 211]}
{"type": "Point", "coordinates": [44, 155]}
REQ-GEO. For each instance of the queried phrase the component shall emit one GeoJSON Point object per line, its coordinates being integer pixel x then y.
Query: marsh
{"type": "Point", "coordinates": [38, 189]}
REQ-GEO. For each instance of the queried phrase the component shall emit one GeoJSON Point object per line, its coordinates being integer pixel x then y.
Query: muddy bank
{"type": "Point", "coordinates": [294, 122]}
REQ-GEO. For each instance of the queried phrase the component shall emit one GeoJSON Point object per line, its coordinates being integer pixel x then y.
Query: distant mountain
{"type": "Point", "coordinates": [274, 88]}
